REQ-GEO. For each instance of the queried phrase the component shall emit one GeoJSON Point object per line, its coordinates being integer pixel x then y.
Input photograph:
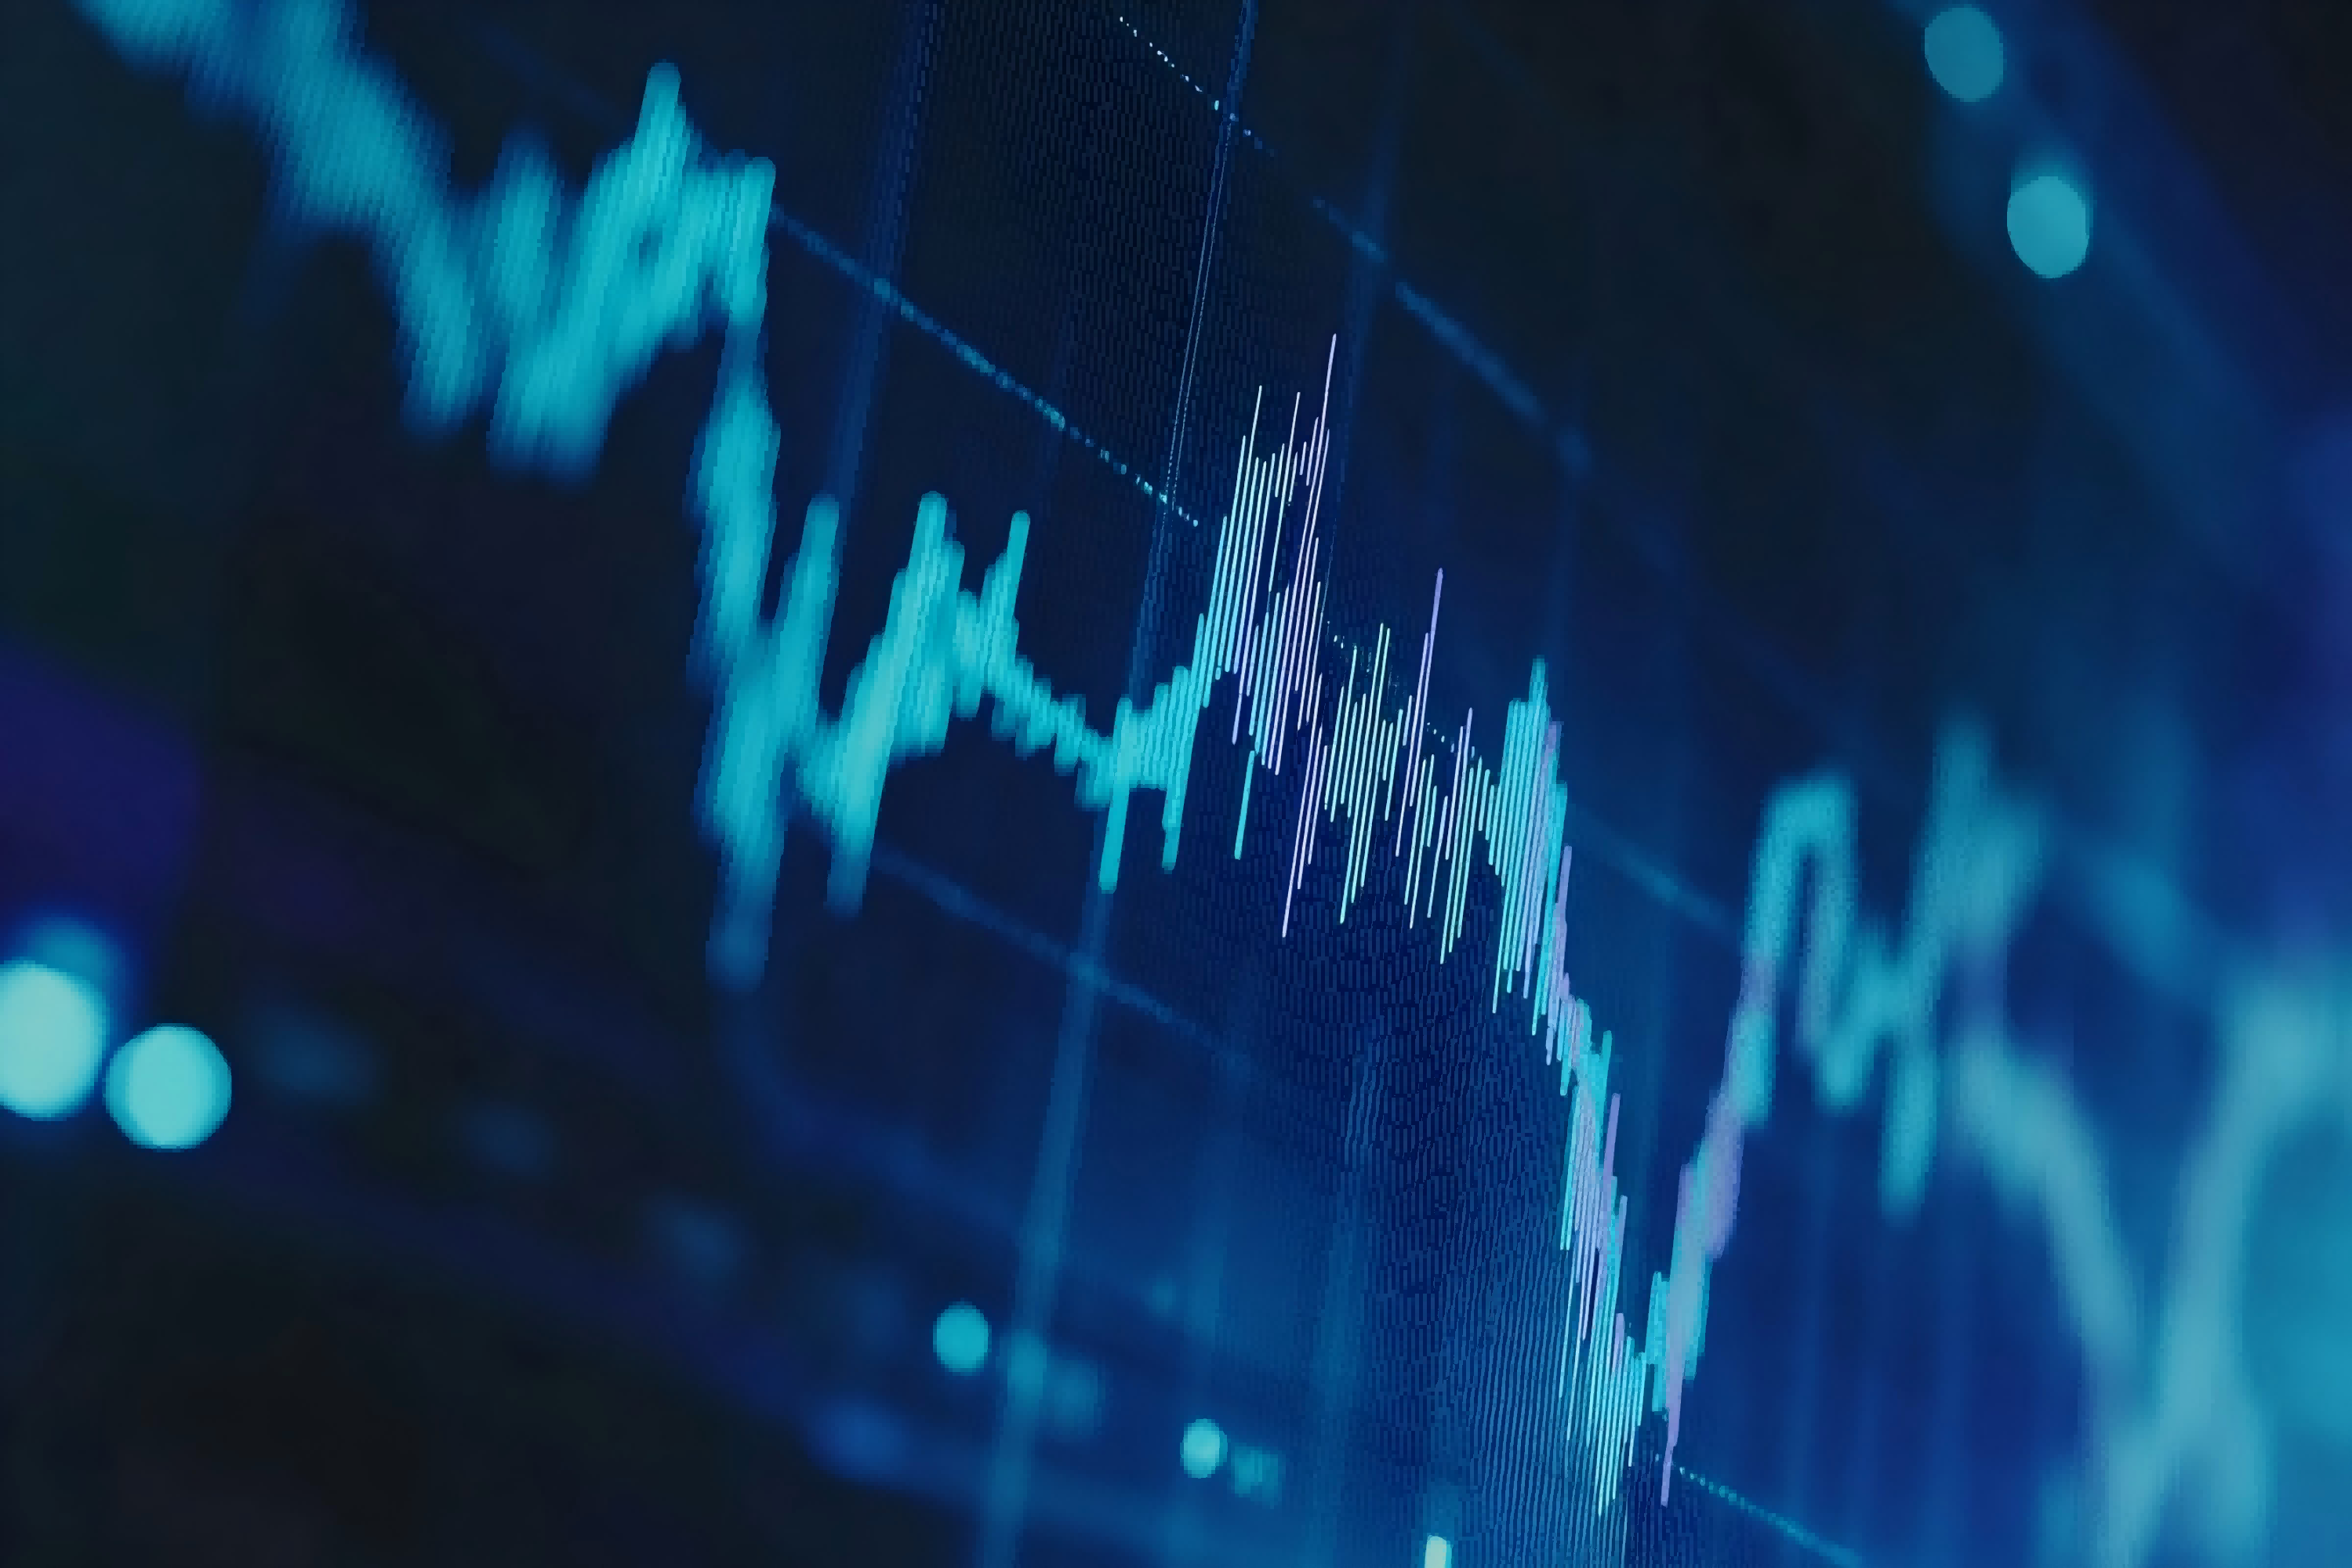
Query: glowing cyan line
{"type": "Point", "coordinates": [544, 308]}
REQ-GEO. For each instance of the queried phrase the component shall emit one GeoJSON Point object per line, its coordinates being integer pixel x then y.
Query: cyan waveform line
{"type": "Point", "coordinates": [1857, 994]}
{"type": "Point", "coordinates": [1566, 441]}
{"type": "Point", "coordinates": [543, 308]}
{"type": "Point", "coordinates": [546, 308]}
{"type": "Point", "coordinates": [2174, 1414]}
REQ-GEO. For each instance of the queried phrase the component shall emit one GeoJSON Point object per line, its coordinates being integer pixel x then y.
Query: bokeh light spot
{"type": "Point", "coordinates": [52, 1038]}
{"type": "Point", "coordinates": [2050, 225]}
{"type": "Point", "coordinates": [1965, 54]}
{"type": "Point", "coordinates": [959, 1339]}
{"type": "Point", "coordinates": [168, 1088]}
{"type": "Point", "coordinates": [1203, 1448]}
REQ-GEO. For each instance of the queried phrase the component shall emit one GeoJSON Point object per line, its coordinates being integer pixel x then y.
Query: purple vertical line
{"type": "Point", "coordinates": [1311, 671]}
{"type": "Point", "coordinates": [1323, 415]}
{"type": "Point", "coordinates": [1256, 510]}
{"type": "Point", "coordinates": [1324, 756]}
{"type": "Point", "coordinates": [1617, 1239]}
{"type": "Point", "coordinates": [1318, 792]}
{"type": "Point", "coordinates": [1298, 838]}
{"type": "Point", "coordinates": [1420, 688]}
{"type": "Point", "coordinates": [1254, 679]}
{"type": "Point", "coordinates": [1343, 744]}
{"type": "Point", "coordinates": [1278, 696]}
{"type": "Point", "coordinates": [1248, 636]}
{"type": "Point", "coordinates": [1249, 451]}
{"type": "Point", "coordinates": [1443, 836]}
{"type": "Point", "coordinates": [1444, 843]}
{"type": "Point", "coordinates": [1301, 651]}
{"type": "Point", "coordinates": [1461, 840]}
{"type": "Point", "coordinates": [1266, 701]}
{"type": "Point", "coordinates": [1388, 744]}
{"type": "Point", "coordinates": [1232, 655]}
{"type": "Point", "coordinates": [1294, 450]}
{"type": "Point", "coordinates": [1422, 790]}
{"type": "Point", "coordinates": [1266, 509]}
{"type": "Point", "coordinates": [1432, 825]}
{"type": "Point", "coordinates": [1291, 714]}
{"type": "Point", "coordinates": [1306, 522]}
{"type": "Point", "coordinates": [1411, 848]}
{"type": "Point", "coordinates": [1307, 649]}
{"type": "Point", "coordinates": [1413, 859]}
{"type": "Point", "coordinates": [1364, 784]}
{"type": "Point", "coordinates": [1310, 471]}
{"type": "Point", "coordinates": [1424, 821]}
{"type": "Point", "coordinates": [1340, 790]}
{"type": "Point", "coordinates": [1233, 568]}
{"type": "Point", "coordinates": [1278, 489]}
{"type": "Point", "coordinates": [1320, 445]}
{"type": "Point", "coordinates": [1295, 453]}
{"type": "Point", "coordinates": [1275, 694]}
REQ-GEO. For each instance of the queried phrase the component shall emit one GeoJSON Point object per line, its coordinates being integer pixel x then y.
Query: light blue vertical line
{"type": "Point", "coordinates": [1045, 1226]}
{"type": "Point", "coordinates": [886, 235]}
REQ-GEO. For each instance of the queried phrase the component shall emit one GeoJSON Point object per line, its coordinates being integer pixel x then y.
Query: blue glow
{"type": "Point", "coordinates": [168, 1088]}
{"type": "Point", "coordinates": [311, 1061]}
{"type": "Point", "coordinates": [1964, 53]}
{"type": "Point", "coordinates": [499, 312]}
{"type": "Point", "coordinates": [1438, 1553]}
{"type": "Point", "coordinates": [52, 1037]}
{"type": "Point", "coordinates": [2050, 225]}
{"type": "Point", "coordinates": [959, 1339]}
{"type": "Point", "coordinates": [72, 946]}
{"type": "Point", "coordinates": [1203, 1449]}
{"type": "Point", "coordinates": [509, 1139]}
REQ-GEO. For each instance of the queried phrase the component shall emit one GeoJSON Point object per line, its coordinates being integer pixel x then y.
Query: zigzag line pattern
{"type": "Point", "coordinates": [544, 306]}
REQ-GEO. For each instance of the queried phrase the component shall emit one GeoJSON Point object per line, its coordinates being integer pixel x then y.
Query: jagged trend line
{"type": "Point", "coordinates": [1855, 994]}
{"type": "Point", "coordinates": [546, 308]}
{"type": "Point", "coordinates": [2174, 1416]}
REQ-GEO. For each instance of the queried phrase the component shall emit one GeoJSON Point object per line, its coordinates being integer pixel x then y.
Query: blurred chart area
{"type": "Point", "coordinates": [1355, 784]}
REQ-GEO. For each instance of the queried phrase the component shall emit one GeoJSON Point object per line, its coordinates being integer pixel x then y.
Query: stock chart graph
{"type": "Point", "coordinates": [636, 1022]}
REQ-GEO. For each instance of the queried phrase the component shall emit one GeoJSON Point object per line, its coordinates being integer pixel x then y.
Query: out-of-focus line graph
{"type": "Point", "coordinates": [543, 308]}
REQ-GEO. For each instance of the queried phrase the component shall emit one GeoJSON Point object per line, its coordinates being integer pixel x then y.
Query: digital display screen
{"type": "Point", "coordinates": [1244, 781]}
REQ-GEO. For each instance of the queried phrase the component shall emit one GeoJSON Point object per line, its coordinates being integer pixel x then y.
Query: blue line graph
{"type": "Point", "coordinates": [542, 308]}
